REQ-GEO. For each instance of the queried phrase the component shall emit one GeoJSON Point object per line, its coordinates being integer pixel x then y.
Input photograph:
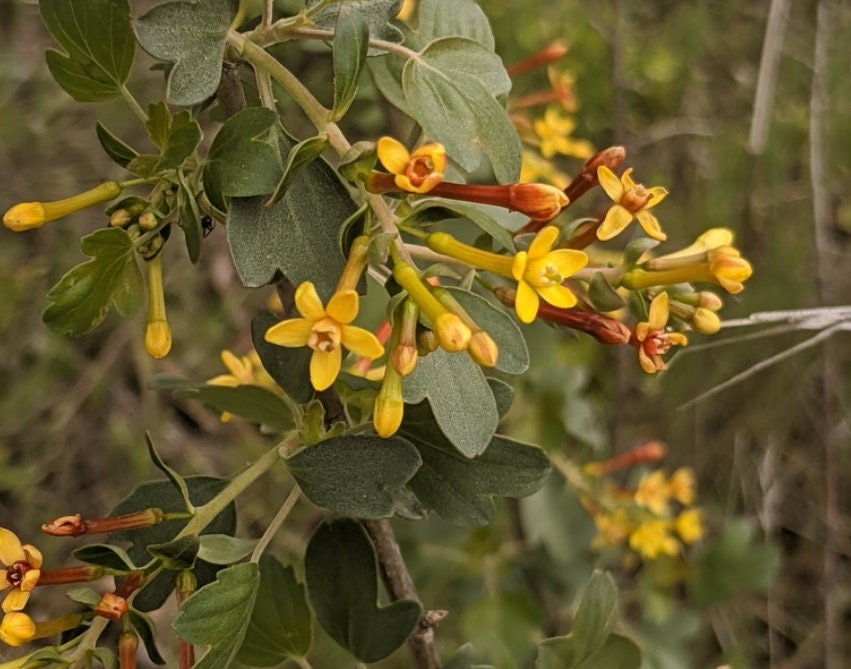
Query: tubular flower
{"type": "Point", "coordinates": [157, 331]}
{"type": "Point", "coordinates": [16, 629]}
{"type": "Point", "coordinates": [23, 569]}
{"type": "Point", "coordinates": [554, 131]}
{"type": "Point", "coordinates": [652, 338]}
{"type": "Point", "coordinates": [389, 404]}
{"type": "Point", "coordinates": [653, 538]}
{"type": "Point", "coordinates": [539, 272]}
{"type": "Point", "coordinates": [416, 172]}
{"type": "Point", "coordinates": [28, 215]}
{"type": "Point", "coordinates": [631, 200]}
{"type": "Point", "coordinates": [653, 493]}
{"type": "Point", "coordinates": [325, 330]}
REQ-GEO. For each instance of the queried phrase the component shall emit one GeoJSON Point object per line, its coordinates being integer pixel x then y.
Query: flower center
{"type": "Point", "coordinates": [635, 198]}
{"type": "Point", "coordinates": [15, 573]}
{"type": "Point", "coordinates": [418, 169]}
{"type": "Point", "coordinates": [544, 275]}
{"type": "Point", "coordinates": [657, 343]}
{"type": "Point", "coordinates": [324, 335]}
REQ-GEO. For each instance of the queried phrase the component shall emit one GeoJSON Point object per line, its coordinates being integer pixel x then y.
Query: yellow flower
{"type": "Point", "coordinates": [16, 629]}
{"type": "Point", "coordinates": [389, 405]}
{"type": "Point", "coordinates": [540, 272]}
{"type": "Point", "coordinates": [416, 172]}
{"type": "Point", "coordinates": [554, 131]}
{"type": "Point", "coordinates": [689, 526]}
{"type": "Point", "coordinates": [631, 200]}
{"type": "Point", "coordinates": [325, 330]}
{"type": "Point", "coordinates": [534, 168]}
{"type": "Point", "coordinates": [23, 569]}
{"type": "Point", "coordinates": [681, 486]}
{"type": "Point", "coordinates": [612, 528]}
{"type": "Point", "coordinates": [244, 371]}
{"type": "Point", "coordinates": [653, 493]}
{"type": "Point", "coordinates": [653, 340]}
{"type": "Point", "coordinates": [27, 215]}
{"type": "Point", "coordinates": [653, 538]}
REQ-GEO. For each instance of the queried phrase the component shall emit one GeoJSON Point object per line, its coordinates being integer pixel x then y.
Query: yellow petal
{"type": "Point", "coordinates": [543, 242]}
{"type": "Point", "coordinates": [658, 318]}
{"type": "Point", "coordinates": [343, 306]}
{"type": "Point", "coordinates": [11, 550]}
{"type": "Point", "coordinates": [559, 296]}
{"type": "Point", "coordinates": [526, 302]}
{"type": "Point", "coordinates": [294, 332]}
{"type": "Point", "coordinates": [610, 183]}
{"type": "Point", "coordinates": [567, 262]}
{"type": "Point", "coordinates": [650, 225]}
{"type": "Point", "coordinates": [30, 580]}
{"type": "Point", "coordinates": [647, 363]}
{"type": "Point", "coordinates": [225, 380]}
{"type": "Point", "coordinates": [15, 600]}
{"type": "Point", "coordinates": [434, 151]}
{"type": "Point", "coordinates": [361, 342]}
{"type": "Point", "coordinates": [392, 154]}
{"type": "Point", "coordinates": [34, 556]}
{"type": "Point", "coordinates": [17, 629]}
{"type": "Point", "coordinates": [518, 265]}
{"type": "Point", "coordinates": [308, 303]}
{"type": "Point", "coordinates": [617, 218]}
{"type": "Point", "coordinates": [657, 194]}
{"type": "Point", "coordinates": [324, 368]}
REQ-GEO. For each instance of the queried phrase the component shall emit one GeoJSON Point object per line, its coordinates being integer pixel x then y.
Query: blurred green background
{"type": "Point", "coordinates": [673, 82]}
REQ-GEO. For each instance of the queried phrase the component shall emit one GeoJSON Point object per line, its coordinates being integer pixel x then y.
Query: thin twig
{"type": "Point", "coordinates": [401, 586]}
{"type": "Point", "coordinates": [769, 66]}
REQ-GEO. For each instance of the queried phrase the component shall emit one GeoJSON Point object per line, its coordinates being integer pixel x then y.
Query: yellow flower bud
{"type": "Point", "coordinates": [17, 629]}
{"type": "Point", "coordinates": [706, 321]}
{"type": "Point", "coordinates": [157, 332]}
{"type": "Point", "coordinates": [389, 405]}
{"type": "Point", "coordinates": [451, 332]}
{"type": "Point", "coordinates": [158, 339]}
{"type": "Point", "coordinates": [28, 215]}
{"type": "Point", "coordinates": [482, 349]}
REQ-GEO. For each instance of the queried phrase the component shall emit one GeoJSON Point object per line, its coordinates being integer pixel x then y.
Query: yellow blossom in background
{"type": "Point", "coordinates": [533, 168]}
{"type": "Point", "coordinates": [22, 564]}
{"type": "Point", "coordinates": [246, 370]}
{"type": "Point", "coordinates": [554, 130]}
{"type": "Point", "coordinates": [652, 338]}
{"type": "Point", "coordinates": [632, 201]}
{"type": "Point", "coordinates": [416, 172]}
{"type": "Point", "coordinates": [17, 629]}
{"type": "Point", "coordinates": [689, 526]}
{"type": "Point", "coordinates": [653, 538]}
{"type": "Point", "coordinates": [540, 273]}
{"type": "Point", "coordinates": [653, 493]}
{"type": "Point", "coordinates": [681, 486]}
{"type": "Point", "coordinates": [325, 330]}
{"type": "Point", "coordinates": [612, 528]}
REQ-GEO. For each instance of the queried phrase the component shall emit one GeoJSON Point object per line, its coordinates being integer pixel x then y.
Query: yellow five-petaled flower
{"type": "Point", "coordinates": [22, 570]}
{"type": "Point", "coordinates": [631, 200]}
{"type": "Point", "coordinates": [416, 172]}
{"type": "Point", "coordinates": [325, 330]}
{"type": "Point", "coordinates": [652, 337]}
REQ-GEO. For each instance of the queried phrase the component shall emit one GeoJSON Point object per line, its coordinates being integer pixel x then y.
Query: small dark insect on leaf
{"type": "Point", "coordinates": [207, 225]}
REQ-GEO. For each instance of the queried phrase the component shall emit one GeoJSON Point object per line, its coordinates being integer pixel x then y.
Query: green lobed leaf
{"type": "Point", "coordinates": [253, 403]}
{"type": "Point", "coordinates": [502, 328]}
{"type": "Point", "coordinates": [355, 474]}
{"type": "Point", "coordinates": [113, 558]}
{"type": "Point", "coordinates": [178, 554]}
{"type": "Point", "coordinates": [224, 549]}
{"type": "Point", "coordinates": [375, 14]}
{"type": "Point", "coordinates": [99, 42]}
{"type": "Point", "coordinates": [81, 299]}
{"type": "Point", "coordinates": [176, 137]}
{"type": "Point", "coordinates": [341, 573]}
{"type": "Point", "coordinates": [145, 629]}
{"type": "Point", "coordinates": [299, 157]}
{"type": "Point", "coordinates": [297, 236]}
{"type": "Point", "coordinates": [290, 367]}
{"type": "Point", "coordinates": [244, 158]}
{"type": "Point", "coordinates": [351, 42]}
{"type": "Point", "coordinates": [453, 18]}
{"type": "Point", "coordinates": [192, 36]}
{"type": "Point", "coordinates": [117, 150]}
{"type": "Point", "coordinates": [162, 494]}
{"type": "Point", "coordinates": [451, 90]}
{"type": "Point", "coordinates": [281, 623]}
{"type": "Point", "coordinates": [218, 615]}
{"type": "Point", "coordinates": [461, 490]}
{"type": "Point", "coordinates": [460, 397]}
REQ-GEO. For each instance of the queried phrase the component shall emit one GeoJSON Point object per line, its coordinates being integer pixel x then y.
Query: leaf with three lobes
{"type": "Point", "coordinates": [99, 42]}
{"type": "Point", "coordinates": [244, 158]}
{"type": "Point", "coordinates": [81, 299]}
{"type": "Point", "coordinates": [351, 42]}
{"type": "Point", "coordinates": [281, 623]}
{"type": "Point", "coordinates": [462, 490]}
{"type": "Point", "coordinates": [354, 475]}
{"type": "Point", "coordinates": [192, 36]}
{"type": "Point", "coordinates": [175, 136]}
{"type": "Point", "coordinates": [163, 495]}
{"type": "Point", "coordinates": [460, 398]}
{"type": "Point", "coordinates": [376, 14]}
{"type": "Point", "coordinates": [342, 579]}
{"type": "Point", "coordinates": [218, 615]}
{"type": "Point", "coordinates": [451, 90]}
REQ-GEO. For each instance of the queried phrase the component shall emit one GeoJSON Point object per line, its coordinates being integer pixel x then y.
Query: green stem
{"type": "Point", "coordinates": [135, 107]}
{"type": "Point", "coordinates": [276, 523]}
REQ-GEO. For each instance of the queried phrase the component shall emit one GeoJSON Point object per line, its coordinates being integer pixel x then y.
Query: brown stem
{"type": "Point", "coordinates": [399, 584]}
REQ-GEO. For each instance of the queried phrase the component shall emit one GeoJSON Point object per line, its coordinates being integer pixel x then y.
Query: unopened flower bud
{"type": "Point", "coordinates": [120, 218]}
{"type": "Point", "coordinates": [540, 202]}
{"type": "Point", "coordinates": [27, 215]}
{"type": "Point", "coordinates": [389, 405]}
{"type": "Point", "coordinates": [483, 349]}
{"type": "Point", "coordinates": [17, 629]}
{"type": "Point", "coordinates": [157, 332]}
{"type": "Point", "coordinates": [451, 332]}
{"type": "Point", "coordinates": [427, 342]}
{"type": "Point", "coordinates": [148, 221]}
{"type": "Point", "coordinates": [128, 646]}
{"type": "Point", "coordinates": [705, 321]}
